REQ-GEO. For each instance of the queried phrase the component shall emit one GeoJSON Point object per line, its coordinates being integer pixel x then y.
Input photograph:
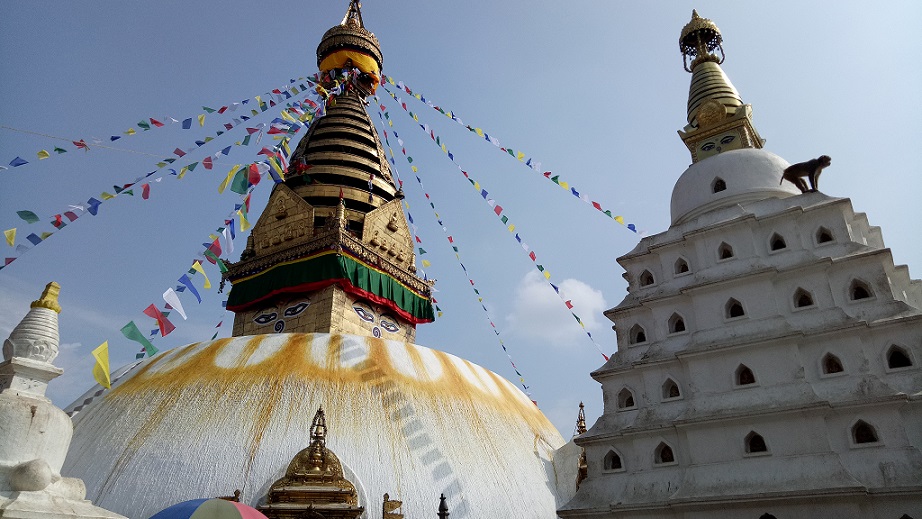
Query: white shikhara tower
{"type": "Point", "coordinates": [769, 356]}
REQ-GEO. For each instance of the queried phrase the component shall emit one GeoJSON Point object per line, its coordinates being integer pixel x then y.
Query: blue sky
{"type": "Point", "coordinates": [593, 90]}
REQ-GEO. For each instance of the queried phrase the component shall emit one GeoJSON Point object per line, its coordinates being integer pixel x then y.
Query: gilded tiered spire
{"type": "Point", "coordinates": [717, 118]}
{"type": "Point", "coordinates": [332, 252]}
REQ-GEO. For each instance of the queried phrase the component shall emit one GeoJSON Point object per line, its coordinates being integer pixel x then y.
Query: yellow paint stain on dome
{"type": "Point", "coordinates": [294, 362]}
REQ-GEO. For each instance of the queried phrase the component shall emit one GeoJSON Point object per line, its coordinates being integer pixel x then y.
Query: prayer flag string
{"type": "Point", "coordinates": [519, 155]}
{"type": "Point", "coordinates": [279, 94]}
{"type": "Point", "coordinates": [452, 243]}
{"type": "Point", "coordinates": [294, 117]}
{"type": "Point", "coordinates": [497, 209]}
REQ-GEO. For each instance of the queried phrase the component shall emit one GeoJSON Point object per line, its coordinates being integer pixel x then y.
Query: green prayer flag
{"type": "Point", "coordinates": [422, 250]}
{"type": "Point", "coordinates": [129, 192]}
{"type": "Point", "coordinates": [556, 179]}
{"type": "Point", "coordinates": [221, 266]}
{"type": "Point", "coordinates": [504, 218]}
{"type": "Point", "coordinates": [409, 159]}
{"type": "Point", "coordinates": [59, 150]}
{"type": "Point", "coordinates": [209, 110]}
{"type": "Point", "coordinates": [170, 160]}
{"type": "Point", "coordinates": [132, 332]}
{"type": "Point", "coordinates": [28, 216]}
{"type": "Point", "coordinates": [240, 183]}
{"type": "Point", "coordinates": [541, 268]}
{"type": "Point", "coordinates": [144, 124]}
{"type": "Point", "coordinates": [191, 167]}
{"type": "Point", "coordinates": [209, 139]}
{"type": "Point", "coordinates": [245, 141]}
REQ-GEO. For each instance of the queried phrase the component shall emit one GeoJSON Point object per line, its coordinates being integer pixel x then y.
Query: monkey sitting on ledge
{"type": "Point", "coordinates": [812, 169]}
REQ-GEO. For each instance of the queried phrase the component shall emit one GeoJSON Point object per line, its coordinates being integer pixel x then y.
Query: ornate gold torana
{"type": "Point", "coordinates": [717, 118]}
{"type": "Point", "coordinates": [314, 486]}
{"type": "Point", "coordinates": [332, 252]}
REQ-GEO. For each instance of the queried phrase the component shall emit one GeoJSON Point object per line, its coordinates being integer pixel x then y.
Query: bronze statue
{"type": "Point", "coordinates": [812, 169]}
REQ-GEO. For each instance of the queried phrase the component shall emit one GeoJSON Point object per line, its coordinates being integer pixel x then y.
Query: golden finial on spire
{"type": "Point", "coordinates": [699, 40]}
{"type": "Point", "coordinates": [49, 298]}
{"type": "Point", "coordinates": [319, 427]}
{"type": "Point", "coordinates": [581, 420]}
{"type": "Point", "coordinates": [353, 15]}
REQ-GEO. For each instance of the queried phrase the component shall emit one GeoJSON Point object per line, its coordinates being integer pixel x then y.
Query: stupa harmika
{"type": "Point", "coordinates": [769, 350]}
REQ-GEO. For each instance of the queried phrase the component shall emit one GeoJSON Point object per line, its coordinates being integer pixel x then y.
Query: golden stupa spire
{"type": "Point", "coordinates": [581, 420]}
{"type": "Point", "coordinates": [718, 120]}
{"type": "Point", "coordinates": [49, 298]}
{"type": "Point", "coordinates": [353, 15]}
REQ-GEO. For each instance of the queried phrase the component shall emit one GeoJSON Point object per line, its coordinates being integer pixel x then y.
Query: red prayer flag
{"type": "Point", "coordinates": [498, 209]}
{"type": "Point", "coordinates": [253, 174]}
{"type": "Point", "coordinates": [71, 215]}
{"type": "Point", "coordinates": [166, 327]}
{"type": "Point", "coordinates": [569, 304]}
{"type": "Point", "coordinates": [155, 122]}
{"type": "Point", "coordinates": [222, 109]}
{"type": "Point", "coordinates": [215, 247]}
{"type": "Point", "coordinates": [246, 200]}
{"type": "Point", "coordinates": [57, 221]}
{"type": "Point", "coordinates": [207, 162]}
{"type": "Point", "coordinates": [145, 191]}
{"type": "Point", "coordinates": [80, 144]}
{"type": "Point", "coordinates": [532, 256]}
{"type": "Point", "coordinates": [179, 152]}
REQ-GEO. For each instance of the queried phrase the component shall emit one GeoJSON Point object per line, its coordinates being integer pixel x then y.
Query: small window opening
{"type": "Point", "coordinates": [755, 443]}
{"type": "Point", "coordinates": [320, 221]}
{"type": "Point", "coordinates": [612, 461]}
{"type": "Point", "coordinates": [823, 235]}
{"type": "Point", "coordinates": [676, 324]}
{"type": "Point", "coordinates": [898, 358]}
{"type": "Point", "coordinates": [767, 516]}
{"type": "Point", "coordinates": [744, 376]}
{"type": "Point", "coordinates": [777, 242]}
{"type": "Point", "coordinates": [859, 290]}
{"type": "Point", "coordinates": [734, 309]}
{"type": "Point", "coordinates": [638, 335]}
{"type": "Point", "coordinates": [802, 298]}
{"type": "Point", "coordinates": [625, 399]}
{"type": "Point", "coordinates": [725, 251]}
{"type": "Point", "coordinates": [681, 266]}
{"type": "Point", "coordinates": [664, 454]}
{"type": "Point", "coordinates": [863, 432]}
{"type": "Point", "coordinates": [832, 364]}
{"type": "Point", "coordinates": [671, 389]}
{"type": "Point", "coordinates": [719, 185]}
{"type": "Point", "coordinates": [646, 278]}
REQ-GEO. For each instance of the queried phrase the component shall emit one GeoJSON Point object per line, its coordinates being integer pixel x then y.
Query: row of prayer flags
{"type": "Point", "coordinates": [498, 211]}
{"type": "Point", "coordinates": [518, 155]}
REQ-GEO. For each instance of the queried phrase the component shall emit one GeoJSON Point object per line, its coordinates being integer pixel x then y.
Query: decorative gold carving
{"type": "Point", "coordinates": [711, 112]}
{"type": "Point", "coordinates": [314, 485]}
{"type": "Point", "coordinates": [389, 508]}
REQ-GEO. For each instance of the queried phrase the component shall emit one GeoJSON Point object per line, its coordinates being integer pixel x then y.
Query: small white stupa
{"type": "Point", "coordinates": [34, 434]}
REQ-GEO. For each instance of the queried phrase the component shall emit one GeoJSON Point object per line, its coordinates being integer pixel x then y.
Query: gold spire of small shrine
{"type": "Point", "coordinates": [718, 120]}
{"type": "Point", "coordinates": [49, 298]}
{"type": "Point", "coordinates": [581, 420]}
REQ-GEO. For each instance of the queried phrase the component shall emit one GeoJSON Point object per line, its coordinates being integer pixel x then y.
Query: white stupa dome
{"type": "Point", "coordinates": [205, 419]}
{"type": "Point", "coordinates": [748, 175]}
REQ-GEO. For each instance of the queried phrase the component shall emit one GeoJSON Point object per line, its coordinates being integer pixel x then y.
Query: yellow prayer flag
{"type": "Point", "coordinates": [182, 172]}
{"type": "Point", "coordinates": [130, 131]}
{"type": "Point", "coordinates": [259, 100]}
{"type": "Point", "coordinates": [227, 181]}
{"type": "Point", "coordinates": [478, 131]}
{"type": "Point", "coordinates": [390, 123]}
{"type": "Point", "coordinates": [213, 237]}
{"type": "Point", "coordinates": [101, 369]}
{"type": "Point", "coordinates": [415, 169]}
{"type": "Point", "coordinates": [254, 112]}
{"type": "Point", "coordinates": [244, 223]}
{"type": "Point", "coordinates": [444, 149]}
{"type": "Point", "coordinates": [415, 118]}
{"type": "Point", "coordinates": [198, 268]}
{"type": "Point", "coordinates": [43, 155]}
{"type": "Point", "coordinates": [106, 196]}
{"type": "Point", "coordinates": [564, 185]}
{"type": "Point", "coordinates": [477, 185]}
{"type": "Point", "coordinates": [201, 119]}
{"type": "Point", "coordinates": [10, 236]}
{"type": "Point", "coordinates": [520, 155]}
{"type": "Point", "coordinates": [619, 219]}
{"type": "Point", "coordinates": [287, 116]}
{"type": "Point", "coordinates": [277, 167]}
{"type": "Point", "coordinates": [512, 228]}
{"type": "Point", "coordinates": [547, 275]}
{"type": "Point", "coordinates": [294, 90]}
{"type": "Point", "coordinates": [427, 263]}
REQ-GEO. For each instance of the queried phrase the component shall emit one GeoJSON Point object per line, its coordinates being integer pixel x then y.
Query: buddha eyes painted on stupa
{"type": "Point", "coordinates": [389, 325]}
{"type": "Point", "coordinates": [293, 311]}
{"type": "Point", "coordinates": [265, 318]}
{"type": "Point", "coordinates": [363, 313]}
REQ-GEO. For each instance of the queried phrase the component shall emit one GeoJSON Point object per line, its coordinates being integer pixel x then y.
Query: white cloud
{"type": "Point", "coordinates": [540, 314]}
